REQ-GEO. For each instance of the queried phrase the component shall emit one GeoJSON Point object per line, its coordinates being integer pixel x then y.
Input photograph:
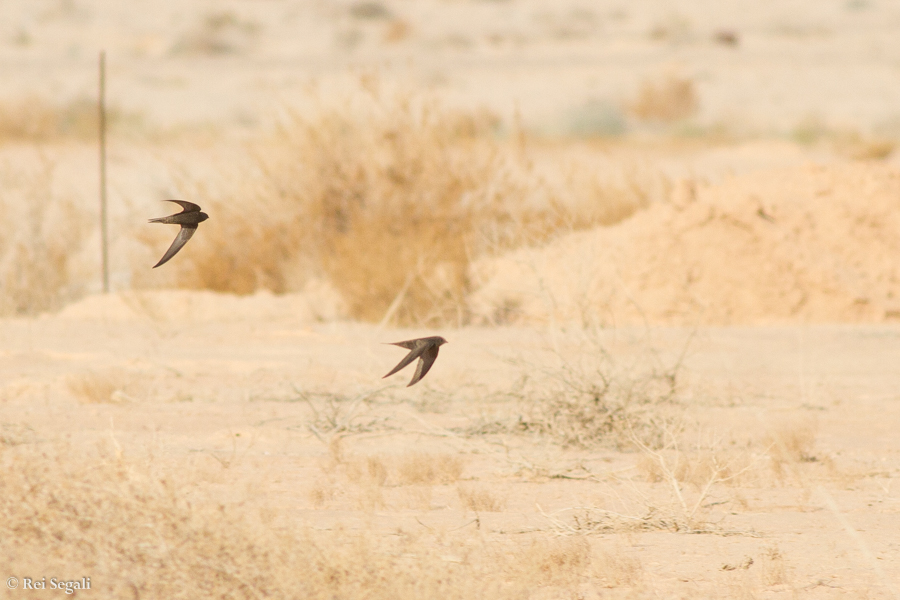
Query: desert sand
{"type": "Point", "coordinates": [661, 239]}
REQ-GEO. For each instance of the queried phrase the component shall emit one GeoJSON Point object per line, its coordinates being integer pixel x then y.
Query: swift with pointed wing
{"type": "Point", "coordinates": [189, 218]}
{"type": "Point", "coordinates": [425, 349]}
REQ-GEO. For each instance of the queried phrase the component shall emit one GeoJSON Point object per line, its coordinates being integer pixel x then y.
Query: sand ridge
{"type": "Point", "coordinates": [809, 244]}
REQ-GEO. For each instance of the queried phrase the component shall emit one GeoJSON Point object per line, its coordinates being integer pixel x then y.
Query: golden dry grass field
{"type": "Point", "coordinates": [663, 242]}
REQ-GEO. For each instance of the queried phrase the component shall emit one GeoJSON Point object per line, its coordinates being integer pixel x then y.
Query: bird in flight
{"type": "Point", "coordinates": [189, 219]}
{"type": "Point", "coordinates": [425, 349]}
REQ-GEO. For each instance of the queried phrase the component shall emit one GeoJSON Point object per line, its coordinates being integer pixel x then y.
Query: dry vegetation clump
{"type": "Point", "coordinates": [219, 32]}
{"type": "Point", "coordinates": [424, 468]}
{"type": "Point", "coordinates": [853, 144]}
{"type": "Point", "coordinates": [369, 475]}
{"type": "Point", "coordinates": [412, 468]}
{"type": "Point", "coordinates": [587, 413]}
{"type": "Point", "coordinates": [592, 399]}
{"type": "Point", "coordinates": [791, 443]}
{"type": "Point", "coordinates": [335, 415]}
{"type": "Point", "coordinates": [700, 461]}
{"type": "Point", "coordinates": [389, 198]}
{"type": "Point", "coordinates": [775, 571]}
{"type": "Point", "coordinates": [141, 530]}
{"type": "Point", "coordinates": [614, 568]}
{"type": "Point", "coordinates": [98, 387]}
{"type": "Point", "coordinates": [34, 119]}
{"type": "Point", "coordinates": [670, 99]}
{"type": "Point", "coordinates": [558, 561]}
{"type": "Point", "coordinates": [479, 499]}
{"type": "Point", "coordinates": [39, 236]}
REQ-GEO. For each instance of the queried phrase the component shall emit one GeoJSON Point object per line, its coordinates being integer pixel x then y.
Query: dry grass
{"type": "Point", "coordinates": [98, 387]}
{"type": "Point", "coordinates": [363, 479]}
{"type": "Point", "coordinates": [667, 100]}
{"type": "Point", "coordinates": [141, 529]}
{"type": "Point", "coordinates": [369, 474]}
{"type": "Point", "coordinates": [701, 462]}
{"type": "Point", "coordinates": [560, 561]}
{"type": "Point", "coordinates": [35, 119]}
{"type": "Point", "coordinates": [423, 468]}
{"type": "Point", "coordinates": [614, 568]}
{"type": "Point", "coordinates": [480, 499]}
{"type": "Point", "coordinates": [40, 234]}
{"type": "Point", "coordinates": [846, 142]}
{"type": "Point", "coordinates": [388, 197]}
{"type": "Point", "coordinates": [369, 469]}
{"type": "Point", "coordinates": [592, 399]}
{"type": "Point", "coordinates": [791, 442]}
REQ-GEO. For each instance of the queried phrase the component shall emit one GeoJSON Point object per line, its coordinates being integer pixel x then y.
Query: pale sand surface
{"type": "Point", "coordinates": [768, 260]}
{"type": "Point", "coordinates": [794, 61]}
{"type": "Point", "coordinates": [226, 392]}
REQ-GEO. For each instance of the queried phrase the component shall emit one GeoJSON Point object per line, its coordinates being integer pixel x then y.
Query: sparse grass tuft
{"type": "Point", "coordinates": [369, 474]}
{"type": "Point", "coordinates": [557, 561]}
{"type": "Point", "coordinates": [422, 468]}
{"type": "Point", "coordinates": [480, 499]}
{"type": "Point", "coordinates": [614, 568]}
{"type": "Point", "coordinates": [774, 569]}
{"type": "Point", "coordinates": [791, 442]}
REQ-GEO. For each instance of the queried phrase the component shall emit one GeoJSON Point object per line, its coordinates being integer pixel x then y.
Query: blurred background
{"type": "Point", "coordinates": [462, 161]}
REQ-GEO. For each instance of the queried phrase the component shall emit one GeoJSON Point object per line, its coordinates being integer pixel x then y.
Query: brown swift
{"type": "Point", "coordinates": [425, 349]}
{"type": "Point", "coordinates": [189, 219]}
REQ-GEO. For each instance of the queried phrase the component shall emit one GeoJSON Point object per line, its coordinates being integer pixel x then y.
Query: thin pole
{"type": "Point", "coordinates": [104, 248]}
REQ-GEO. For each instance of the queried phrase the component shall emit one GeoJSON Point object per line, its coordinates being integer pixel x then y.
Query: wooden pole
{"type": "Point", "coordinates": [104, 247]}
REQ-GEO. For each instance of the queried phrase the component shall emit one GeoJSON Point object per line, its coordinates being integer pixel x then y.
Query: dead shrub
{"type": "Point", "coordinates": [593, 399]}
{"type": "Point", "coordinates": [389, 197]}
{"type": "Point", "coordinates": [698, 464]}
{"type": "Point", "coordinates": [669, 99]}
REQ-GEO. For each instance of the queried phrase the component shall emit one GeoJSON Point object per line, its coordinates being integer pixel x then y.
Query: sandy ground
{"type": "Point", "coordinates": [230, 391]}
{"type": "Point", "coordinates": [767, 274]}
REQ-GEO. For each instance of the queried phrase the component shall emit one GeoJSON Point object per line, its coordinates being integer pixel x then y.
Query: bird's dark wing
{"type": "Point", "coordinates": [187, 206]}
{"type": "Point", "coordinates": [425, 361]}
{"type": "Point", "coordinates": [414, 353]}
{"type": "Point", "coordinates": [408, 344]}
{"type": "Point", "coordinates": [180, 240]}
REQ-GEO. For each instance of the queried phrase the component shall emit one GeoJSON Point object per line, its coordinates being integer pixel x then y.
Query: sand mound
{"type": "Point", "coordinates": [317, 303]}
{"type": "Point", "coordinates": [810, 244]}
